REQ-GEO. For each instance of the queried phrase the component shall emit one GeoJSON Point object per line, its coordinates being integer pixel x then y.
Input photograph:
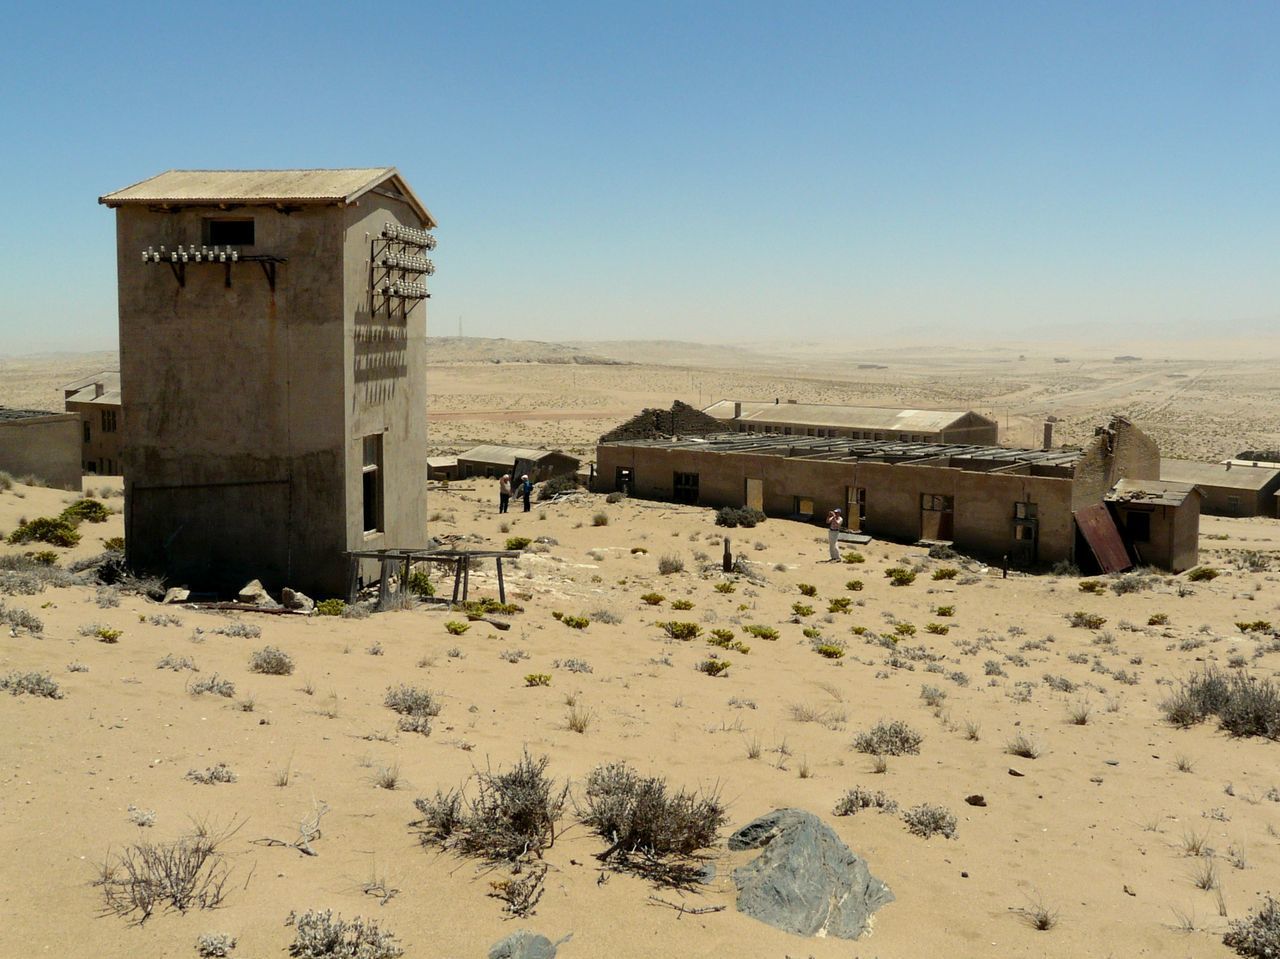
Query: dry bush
{"type": "Point", "coordinates": [857, 799]}
{"type": "Point", "coordinates": [190, 873]}
{"type": "Point", "coordinates": [894, 738]}
{"type": "Point", "coordinates": [1257, 935]}
{"type": "Point", "coordinates": [417, 707]}
{"type": "Point", "coordinates": [650, 830]}
{"type": "Point", "coordinates": [322, 935]}
{"type": "Point", "coordinates": [1244, 705]}
{"type": "Point", "coordinates": [928, 820]}
{"type": "Point", "coordinates": [30, 684]}
{"type": "Point", "coordinates": [513, 815]}
{"type": "Point", "coordinates": [670, 564]}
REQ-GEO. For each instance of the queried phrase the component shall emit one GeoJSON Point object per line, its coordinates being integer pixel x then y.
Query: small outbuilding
{"type": "Point", "coordinates": [493, 461]}
{"type": "Point", "coordinates": [43, 445]}
{"type": "Point", "coordinates": [1159, 520]}
{"type": "Point", "coordinates": [1229, 489]}
{"type": "Point", "coordinates": [442, 468]}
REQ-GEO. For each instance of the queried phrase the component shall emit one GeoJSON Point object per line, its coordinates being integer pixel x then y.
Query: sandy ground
{"type": "Point", "coordinates": [1094, 828]}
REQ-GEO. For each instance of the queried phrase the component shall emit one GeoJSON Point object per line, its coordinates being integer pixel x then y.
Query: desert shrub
{"type": "Point", "coordinates": [456, 627]}
{"type": "Point", "coordinates": [419, 583]}
{"type": "Point", "coordinates": [653, 599]}
{"type": "Point", "coordinates": [807, 589]}
{"type": "Point", "coordinates": [1158, 619]}
{"type": "Point", "coordinates": [1252, 707]}
{"type": "Point", "coordinates": [553, 487]}
{"type": "Point", "coordinates": [239, 630]}
{"type": "Point", "coordinates": [1196, 698]}
{"type": "Point", "coordinates": [937, 629]}
{"type": "Point", "coordinates": [681, 604]}
{"type": "Point", "coordinates": [213, 684]}
{"type": "Point", "coordinates": [713, 666]}
{"type": "Point", "coordinates": [745, 517]}
{"type": "Point", "coordinates": [678, 630]}
{"type": "Point", "coordinates": [945, 572]}
{"type": "Point", "coordinates": [1023, 745]}
{"type": "Point", "coordinates": [513, 815]}
{"type": "Point", "coordinates": [220, 773]}
{"type": "Point", "coordinates": [854, 585]}
{"type": "Point", "coordinates": [1202, 574]}
{"type": "Point", "coordinates": [6, 480]}
{"type": "Point", "coordinates": [486, 606]}
{"type": "Point", "coordinates": [945, 611]}
{"type": "Point", "coordinates": [1059, 683]}
{"type": "Point", "coordinates": [722, 635]}
{"type": "Point", "coordinates": [573, 665]}
{"type": "Point", "coordinates": [647, 826]}
{"type": "Point", "coordinates": [1257, 935]}
{"type": "Point", "coordinates": [30, 684]}
{"type": "Point", "coordinates": [829, 649]}
{"type": "Point", "coordinates": [800, 609]}
{"type": "Point", "coordinates": [893, 738]}
{"type": "Point", "coordinates": [670, 564]}
{"type": "Point", "coordinates": [600, 519]}
{"type": "Point", "coordinates": [1255, 626]}
{"type": "Point", "coordinates": [85, 511]}
{"type": "Point", "coordinates": [854, 556]}
{"type": "Point", "coordinates": [900, 576]}
{"type": "Point", "coordinates": [575, 622]}
{"type": "Point", "coordinates": [725, 587]}
{"type": "Point", "coordinates": [928, 820]}
{"type": "Point", "coordinates": [330, 607]}
{"type": "Point", "coordinates": [17, 618]}
{"type": "Point", "coordinates": [1084, 620]}
{"type": "Point", "coordinates": [537, 679]}
{"type": "Point", "coordinates": [1095, 586]}
{"type": "Point", "coordinates": [46, 529]}
{"type": "Point", "coordinates": [615, 497]}
{"type": "Point", "coordinates": [177, 663]}
{"type": "Point", "coordinates": [417, 707]}
{"type": "Point", "coordinates": [113, 544]}
{"type": "Point", "coordinates": [518, 542]}
{"type": "Point", "coordinates": [812, 632]}
{"type": "Point", "coordinates": [271, 661]}
{"type": "Point", "coordinates": [215, 945]}
{"type": "Point", "coordinates": [322, 935]}
{"type": "Point", "coordinates": [858, 799]}
{"type": "Point", "coordinates": [144, 877]}
{"type": "Point", "coordinates": [904, 629]}
{"type": "Point", "coordinates": [932, 695]}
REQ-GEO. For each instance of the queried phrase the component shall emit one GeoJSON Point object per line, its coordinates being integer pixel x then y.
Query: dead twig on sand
{"type": "Point", "coordinates": [684, 910]}
{"type": "Point", "coordinates": [308, 831]}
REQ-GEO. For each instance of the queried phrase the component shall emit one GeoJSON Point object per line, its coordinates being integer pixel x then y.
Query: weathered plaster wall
{"type": "Point", "coordinates": [45, 446]}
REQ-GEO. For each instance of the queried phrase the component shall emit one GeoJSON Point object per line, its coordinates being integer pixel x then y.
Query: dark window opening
{"type": "Point", "coordinates": [1138, 526]}
{"type": "Point", "coordinates": [372, 483]}
{"type": "Point", "coordinates": [108, 421]}
{"type": "Point", "coordinates": [685, 488]}
{"type": "Point", "coordinates": [237, 232]}
{"type": "Point", "coordinates": [86, 431]}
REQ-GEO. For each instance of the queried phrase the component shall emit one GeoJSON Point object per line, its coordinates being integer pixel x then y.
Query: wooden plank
{"type": "Point", "coordinates": [1099, 531]}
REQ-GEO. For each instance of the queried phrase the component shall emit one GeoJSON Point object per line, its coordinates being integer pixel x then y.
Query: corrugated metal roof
{"type": "Point", "coordinates": [1153, 492]}
{"type": "Point", "coordinates": [8, 415]}
{"type": "Point", "coordinates": [110, 379]}
{"type": "Point", "coordinates": [1218, 474]}
{"type": "Point", "coordinates": [108, 398]}
{"type": "Point", "coordinates": [500, 455]}
{"type": "Point", "coordinates": [439, 462]}
{"type": "Point", "coordinates": [258, 187]}
{"type": "Point", "coordinates": [840, 417]}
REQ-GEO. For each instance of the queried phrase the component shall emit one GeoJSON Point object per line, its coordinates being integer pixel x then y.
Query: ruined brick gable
{"type": "Point", "coordinates": [681, 420]}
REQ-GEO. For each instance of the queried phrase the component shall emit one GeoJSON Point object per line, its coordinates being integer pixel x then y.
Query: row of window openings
{"type": "Point", "coordinates": [843, 434]}
{"type": "Point", "coordinates": [108, 467]}
{"type": "Point", "coordinates": [108, 423]}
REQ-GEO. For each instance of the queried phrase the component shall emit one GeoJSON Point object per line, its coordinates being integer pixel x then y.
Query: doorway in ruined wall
{"type": "Point", "coordinates": [623, 480]}
{"type": "Point", "coordinates": [855, 507]}
{"type": "Point", "coordinates": [754, 494]}
{"type": "Point", "coordinates": [937, 516]}
{"type": "Point", "coordinates": [1026, 534]}
{"type": "Point", "coordinates": [684, 487]}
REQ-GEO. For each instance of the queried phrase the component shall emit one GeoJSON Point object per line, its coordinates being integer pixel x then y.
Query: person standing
{"type": "Point", "coordinates": [504, 492]}
{"type": "Point", "coordinates": [526, 490]}
{"type": "Point", "coordinates": [834, 522]}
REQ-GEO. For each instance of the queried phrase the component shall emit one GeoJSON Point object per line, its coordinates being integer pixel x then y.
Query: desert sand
{"type": "Point", "coordinates": [1096, 829]}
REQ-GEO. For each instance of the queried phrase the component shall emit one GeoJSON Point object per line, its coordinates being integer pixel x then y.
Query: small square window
{"type": "Point", "coordinates": [229, 232]}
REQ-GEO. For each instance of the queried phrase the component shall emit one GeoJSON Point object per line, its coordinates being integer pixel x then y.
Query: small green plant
{"type": "Point", "coordinates": [945, 611]}
{"type": "Point", "coordinates": [1083, 620]}
{"type": "Point", "coordinates": [812, 632]}
{"type": "Point", "coordinates": [518, 542]}
{"type": "Point", "coordinates": [854, 557]}
{"type": "Point", "coordinates": [722, 635]}
{"type": "Point", "coordinates": [681, 604]}
{"type": "Point", "coordinates": [1202, 574]}
{"type": "Point", "coordinates": [1095, 586]}
{"type": "Point", "coordinates": [107, 634]}
{"type": "Point", "coordinates": [576, 622]}
{"type": "Point", "coordinates": [904, 629]}
{"type": "Point", "coordinates": [1256, 626]}
{"type": "Point", "coordinates": [900, 576]}
{"type": "Point", "coordinates": [1158, 619]}
{"type": "Point", "coordinates": [683, 631]}
{"type": "Point", "coordinates": [945, 572]}
{"type": "Point", "coordinates": [330, 607]}
{"type": "Point", "coordinates": [456, 627]}
{"type": "Point", "coordinates": [854, 585]}
{"type": "Point", "coordinates": [761, 632]}
{"type": "Point", "coordinates": [600, 519]}
{"type": "Point", "coordinates": [807, 589]}
{"type": "Point", "coordinates": [725, 587]}
{"type": "Point", "coordinates": [419, 583]}
{"type": "Point", "coordinates": [85, 511]}
{"type": "Point", "coordinates": [937, 629]}
{"type": "Point", "coordinates": [841, 604]}
{"type": "Point", "coordinates": [713, 667]}
{"type": "Point", "coordinates": [653, 599]}
{"type": "Point", "coordinates": [800, 609]}
{"type": "Point", "coordinates": [537, 679]}
{"type": "Point", "coordinates": [830, 650]}
{"type": "Point", "coordinates": [46, 529]}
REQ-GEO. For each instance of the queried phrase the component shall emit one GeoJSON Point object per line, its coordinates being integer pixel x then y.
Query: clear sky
{"type": "Point", "coordinates": [695, 170]}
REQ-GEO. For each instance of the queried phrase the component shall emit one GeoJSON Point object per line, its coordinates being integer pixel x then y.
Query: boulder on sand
{"type": "Point", "coordinates": [255, 594]}
{"type": "Point", "coordinates": [806, 881]}
{"type": "Point", "coordinates": [523, 945]}
{"type": "Point", "coordinates": [292, 599]}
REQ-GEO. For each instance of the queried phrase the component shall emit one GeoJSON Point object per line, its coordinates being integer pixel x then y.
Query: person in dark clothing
{"type": "Point", "coordinates": [526, 490]}
{"type": "Point", "coordinates": [504, 493]}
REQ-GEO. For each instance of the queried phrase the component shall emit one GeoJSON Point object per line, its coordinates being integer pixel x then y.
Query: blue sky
{"type": "Point", "coordinates": [702, 171]}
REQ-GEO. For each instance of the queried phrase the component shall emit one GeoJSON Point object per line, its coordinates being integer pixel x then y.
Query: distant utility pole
{"type": "Point", "coordinates": [459, 326]}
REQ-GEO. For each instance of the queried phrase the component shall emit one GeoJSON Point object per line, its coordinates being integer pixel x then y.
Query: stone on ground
{"type": "Point", "coordinates": [806, 881]}
{"type": "Point", "coordinates": [523, 945]}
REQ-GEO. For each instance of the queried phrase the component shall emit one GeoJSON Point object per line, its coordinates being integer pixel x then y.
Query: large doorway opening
{"type": "Point", "coordinates": [937, 514]}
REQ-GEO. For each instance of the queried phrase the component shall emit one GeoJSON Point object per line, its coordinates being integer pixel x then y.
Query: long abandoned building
{"type": "Point", "coordinates": [986, 500]}
{"type": "Point", "coordinates": [876, 423]}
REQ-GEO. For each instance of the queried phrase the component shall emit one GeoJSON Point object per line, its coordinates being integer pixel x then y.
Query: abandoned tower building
{"type": "Point", "coordinates": [1038, 507]}
{"type": "Point", "coordinates": [272, 370]}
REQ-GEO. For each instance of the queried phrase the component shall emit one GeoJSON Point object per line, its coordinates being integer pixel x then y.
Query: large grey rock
{"type": "Point", "coordinates": [292, 599]}
{"type": "Point", "coordinates": [523, 945]}
{"type": "Point", "coordinates": [176, 594]}
{"type": "Point", "coordinates": [255, 594]}
{"type": "Point", "coordinates": [806, 881]}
